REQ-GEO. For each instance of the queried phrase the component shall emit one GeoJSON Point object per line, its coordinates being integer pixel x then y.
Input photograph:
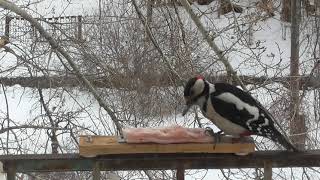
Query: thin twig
{"type": "Point", "coordinates": [3, 130]}
{"type": "Point", "coordinates": [55, 46]}
{"type": "Point", "coordinates": [7, 116]}
{"type": "Point", "coordinates": [154, 42]}
{"type": "Point", "coordinates": [53, 135]}
{"type": "Point", "coordinates": [210, 40]}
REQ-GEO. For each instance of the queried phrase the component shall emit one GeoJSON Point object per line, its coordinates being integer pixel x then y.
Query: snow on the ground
{"type": "Point", "coordinates": [24, 104]}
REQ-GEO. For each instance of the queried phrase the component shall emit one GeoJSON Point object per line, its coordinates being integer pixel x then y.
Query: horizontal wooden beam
{"type": "Point", "coordinates": [126, 82]}
{"type": "Point", "coordinates": [74, 162]}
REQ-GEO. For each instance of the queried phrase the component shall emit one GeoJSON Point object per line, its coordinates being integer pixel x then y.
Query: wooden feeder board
{"type": "Point", "coordinates": [91, 146]}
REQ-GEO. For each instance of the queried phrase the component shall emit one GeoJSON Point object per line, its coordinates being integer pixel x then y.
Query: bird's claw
{"type": "Point", "coordinates": [209, 131]}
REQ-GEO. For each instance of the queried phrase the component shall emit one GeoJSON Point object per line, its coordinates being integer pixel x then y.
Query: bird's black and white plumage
{"type": "Point", "coordinates": [232, 110]}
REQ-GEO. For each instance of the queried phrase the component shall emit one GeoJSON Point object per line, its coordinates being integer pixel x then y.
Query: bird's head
{"type": "Point", "coordinates": [192, 91]}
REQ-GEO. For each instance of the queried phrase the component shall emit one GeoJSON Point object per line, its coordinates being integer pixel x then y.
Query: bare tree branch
{"type": "Point", "coordinates": [210, 40]}
{"type": "Point", "coordinates": [53, 135]}
{"type": "Point", "coordinates": [154, 42]}
{"type": "Point", "coordinates": [7, 116]}
{"type": "Point", "coordinates": [54, 44]}
{"type": "Point", "coordinates": [297, 122]}
{"type": "Point", "coordinates": [3, 130]}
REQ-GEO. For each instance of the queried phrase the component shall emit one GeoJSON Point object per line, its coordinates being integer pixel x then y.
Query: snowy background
{"type": "Point", "coordinates": [75, 110]}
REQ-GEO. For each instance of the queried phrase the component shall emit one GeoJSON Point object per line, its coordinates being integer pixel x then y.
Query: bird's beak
{"type": "Point", "coordinates": [187, 106]}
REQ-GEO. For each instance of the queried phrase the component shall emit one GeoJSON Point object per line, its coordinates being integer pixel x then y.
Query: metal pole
{"type": "Point", "coordinates": [79, 35]}
{"type": "Point", "coordinates": [180, 173]}
{"type": "Point", "coordinates": [7, 26]}
{"type": "Point", "coordinates": [96, 171]}
{"type": "Point", "coordinates": [11, 172]}
{"type": "Point", "coordinates": [267, 170]}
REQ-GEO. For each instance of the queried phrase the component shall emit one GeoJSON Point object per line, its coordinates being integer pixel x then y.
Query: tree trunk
{"type": "Point", "coordinates": [297, 123]}
{"type": "Point", "coordinates": [317, 5]}
{"type": "Point", "coordinates": [60, 50]}
{"type": "Point", "coordinates": [286, 11]}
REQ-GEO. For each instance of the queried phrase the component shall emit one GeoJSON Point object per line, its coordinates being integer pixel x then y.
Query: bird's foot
{"type": "Point", "coordinates": [216, 136]}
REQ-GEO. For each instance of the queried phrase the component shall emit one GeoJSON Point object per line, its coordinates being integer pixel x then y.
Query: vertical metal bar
{"type": "Point", "coordinates": [11, 172]}
{"type": "Point", "coordinates": [267, 170]}
{"type": "Point", "coordinates": [79, 28]}
{"type": "Point", "coordinates": [96, 171]}
{"type": "Point", "coordinates": [7, 26]}
{"type": "Point", "coordinates": [180, 173]}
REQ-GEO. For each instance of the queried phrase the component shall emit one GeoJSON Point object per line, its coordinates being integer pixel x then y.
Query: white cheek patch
{"type": "Point", "coordinates": [198, 86]}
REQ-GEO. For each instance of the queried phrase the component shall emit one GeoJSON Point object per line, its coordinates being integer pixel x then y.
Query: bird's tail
{"type": "Point", "coordinates": [281, 139]}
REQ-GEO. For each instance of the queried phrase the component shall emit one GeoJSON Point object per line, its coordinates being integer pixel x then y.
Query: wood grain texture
{"type": "Point", "coordinates": [149, 161]}
{"type": "Point", "coordinates": [91, 146]}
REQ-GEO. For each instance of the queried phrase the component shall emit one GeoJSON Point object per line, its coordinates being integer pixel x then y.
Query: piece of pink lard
{"type": "Point", "coordinates": [166, 135]}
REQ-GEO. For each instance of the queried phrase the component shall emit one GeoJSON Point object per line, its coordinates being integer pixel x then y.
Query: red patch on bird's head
{"type": "Point", "coordinates": [199, 77]}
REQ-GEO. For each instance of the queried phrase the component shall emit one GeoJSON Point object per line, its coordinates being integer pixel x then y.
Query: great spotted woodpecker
{"type": "Point", "coordinates": [232, 110]}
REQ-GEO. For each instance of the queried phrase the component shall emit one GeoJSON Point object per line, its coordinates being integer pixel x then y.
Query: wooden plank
{"type": "Point", "coordinates": [91, 146]}
{"type": "Point", "coordinates": [74, 162]}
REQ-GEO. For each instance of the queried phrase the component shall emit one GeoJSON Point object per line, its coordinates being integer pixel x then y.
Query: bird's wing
{"type": "Point", "coordinates": [242, 109]}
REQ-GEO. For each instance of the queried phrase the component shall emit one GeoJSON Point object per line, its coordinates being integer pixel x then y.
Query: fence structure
{"type": "Point", "coordinates": [68, 27]}
{"type": "Point", "coordinates": [180, 161]}
{"type": "Point", "coordinates": [63, 28]}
